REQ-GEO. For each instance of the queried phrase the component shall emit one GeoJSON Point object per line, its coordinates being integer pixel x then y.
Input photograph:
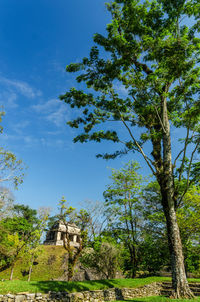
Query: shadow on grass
{"type": "Point", "coordinates": [64, 286]}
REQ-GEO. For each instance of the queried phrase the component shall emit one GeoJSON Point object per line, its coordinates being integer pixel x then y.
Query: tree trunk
{"type": "Point", "coordinates": [179, 281]}
{"type": "Point", "coordinates": [30, 269]}
{"type": "Point", "coordinates": [29, 272]}
{"type": "Point", "coordinates": [12, 271]}
{"type": "Point", "coordinates": [133, 261]}
{"type": "Point", "coordinates": [70, 267]}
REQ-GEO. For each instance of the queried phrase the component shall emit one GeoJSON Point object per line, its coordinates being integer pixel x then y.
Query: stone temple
{"type": "Point", "coordinates": [58, 232]}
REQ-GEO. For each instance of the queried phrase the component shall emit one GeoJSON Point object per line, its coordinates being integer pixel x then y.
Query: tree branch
{"type": "Point", "coordinates": [148, 160]}
{"type": "Point", "coordinates": [184, 154]}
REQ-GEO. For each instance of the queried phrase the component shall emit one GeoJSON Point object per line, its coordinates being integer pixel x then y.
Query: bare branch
{"type": "Point", "coordinates": [148, 160]}
{"type": "Point", "coordinates": [163, 128]}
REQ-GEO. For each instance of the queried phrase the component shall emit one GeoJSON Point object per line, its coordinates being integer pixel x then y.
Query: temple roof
{"type": "Point", "coordinates": [61, 226]}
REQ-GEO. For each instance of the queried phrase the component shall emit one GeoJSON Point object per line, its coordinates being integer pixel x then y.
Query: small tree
{"type": "Point", "coordinates": [82, 219]}
{"type": "Point", "coordinates": [96, 220]}
{"type": "Point", "coordinates": [20, 231]}
{"type": "Point", "coordinates": [124, 209]}
{"type": "Point", "coordinates": [103, 257]}
{"type": "Point", "coordinates": [34, 248]}
{"type": "Point", "coordinates": [188, 216]}
{"type": "Point", "coordinates": [32, 252]}
{"type": "Point", "coordinates": [11, 168]}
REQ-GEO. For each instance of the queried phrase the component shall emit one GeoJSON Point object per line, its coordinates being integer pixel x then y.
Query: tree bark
{"type": "Point", "coordinates": [179, 281]}
{"type": "Point", "coordinates": [133, 261]}
{"type": "Point", "coordinates": [30, 269]}
{"type": "Point", "coordinates": [12, 271]}
{"type": "Point", "coordinates": [29, 272]}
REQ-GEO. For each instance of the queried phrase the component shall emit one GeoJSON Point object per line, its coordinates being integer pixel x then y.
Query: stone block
{"type": "Point", "coordinates": [20, 298]}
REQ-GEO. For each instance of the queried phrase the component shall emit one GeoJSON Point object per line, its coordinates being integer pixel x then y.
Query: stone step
{"type": "Point", "coordinates": [167, 288]}
{"type": "Point", "coordinates": [194, 289]}
{"type": "Point", "coordinates": [166, 292]}
{"type": "Point", "coordinates": [191, 285]}
{"type": "Point", "coordinates": [196, 285]}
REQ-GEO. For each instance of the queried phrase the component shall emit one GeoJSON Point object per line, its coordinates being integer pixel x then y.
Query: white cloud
{"type": "Point", "coordinates": [53, 110]}
{"type": "Point", "coordinates": [47, 106]}
{"type": "Point", "coordinates": [8, 98]}
{"type": "Point", "coordinates": [29, 141]}
{"type": "Point", "coordinates": [20, 86]}
{"type": "Point", "coordinates": [19, 127]}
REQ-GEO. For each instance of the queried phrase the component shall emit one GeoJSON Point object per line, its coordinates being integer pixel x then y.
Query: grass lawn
{"type": "Point", "coordinates": [17, 286]}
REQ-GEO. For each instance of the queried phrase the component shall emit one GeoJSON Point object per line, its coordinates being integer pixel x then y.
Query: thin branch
{"type": "Point", "coordinates": [163, 128]}
{"type": "Point", "coordinates": [174, 165]}
{"type": "Point", "coordinates": [148, 160]}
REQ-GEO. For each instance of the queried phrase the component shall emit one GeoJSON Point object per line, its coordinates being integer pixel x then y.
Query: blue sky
{"type": "Point", "coordinates": [38, 39]}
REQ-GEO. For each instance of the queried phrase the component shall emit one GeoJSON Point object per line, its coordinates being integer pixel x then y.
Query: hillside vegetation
{"type": "Point", "coordinates": [48, 266]}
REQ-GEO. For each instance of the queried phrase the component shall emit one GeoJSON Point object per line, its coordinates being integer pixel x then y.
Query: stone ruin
{"type": "Point", "coordinates": [57, 234]}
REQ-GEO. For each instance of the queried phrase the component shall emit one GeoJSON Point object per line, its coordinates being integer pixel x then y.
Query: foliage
{"type": "Point", "coordinates": [42, 268]}
{"type": "Point", "coordinates": [153, 253]}
{"type": "Point", "coordinates": [21, 236]}
{"type": "Point", "coordinates": [189, 223]}
{"type": "Point", "coordinates": [11, 168]}
{"type": "Point", "coordinates": [150, 53]}
{"type": "Point", "coordinates": [188, 220]}
{"type": "Point", "coordinates": [104, 257]}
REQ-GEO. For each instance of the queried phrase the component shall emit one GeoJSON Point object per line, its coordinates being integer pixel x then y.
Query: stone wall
{"type": "Point", "coordinates": [111, 294]}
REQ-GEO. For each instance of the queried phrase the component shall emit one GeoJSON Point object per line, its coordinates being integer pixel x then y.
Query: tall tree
{"type": "Point", "coordinates": [152, 53]}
